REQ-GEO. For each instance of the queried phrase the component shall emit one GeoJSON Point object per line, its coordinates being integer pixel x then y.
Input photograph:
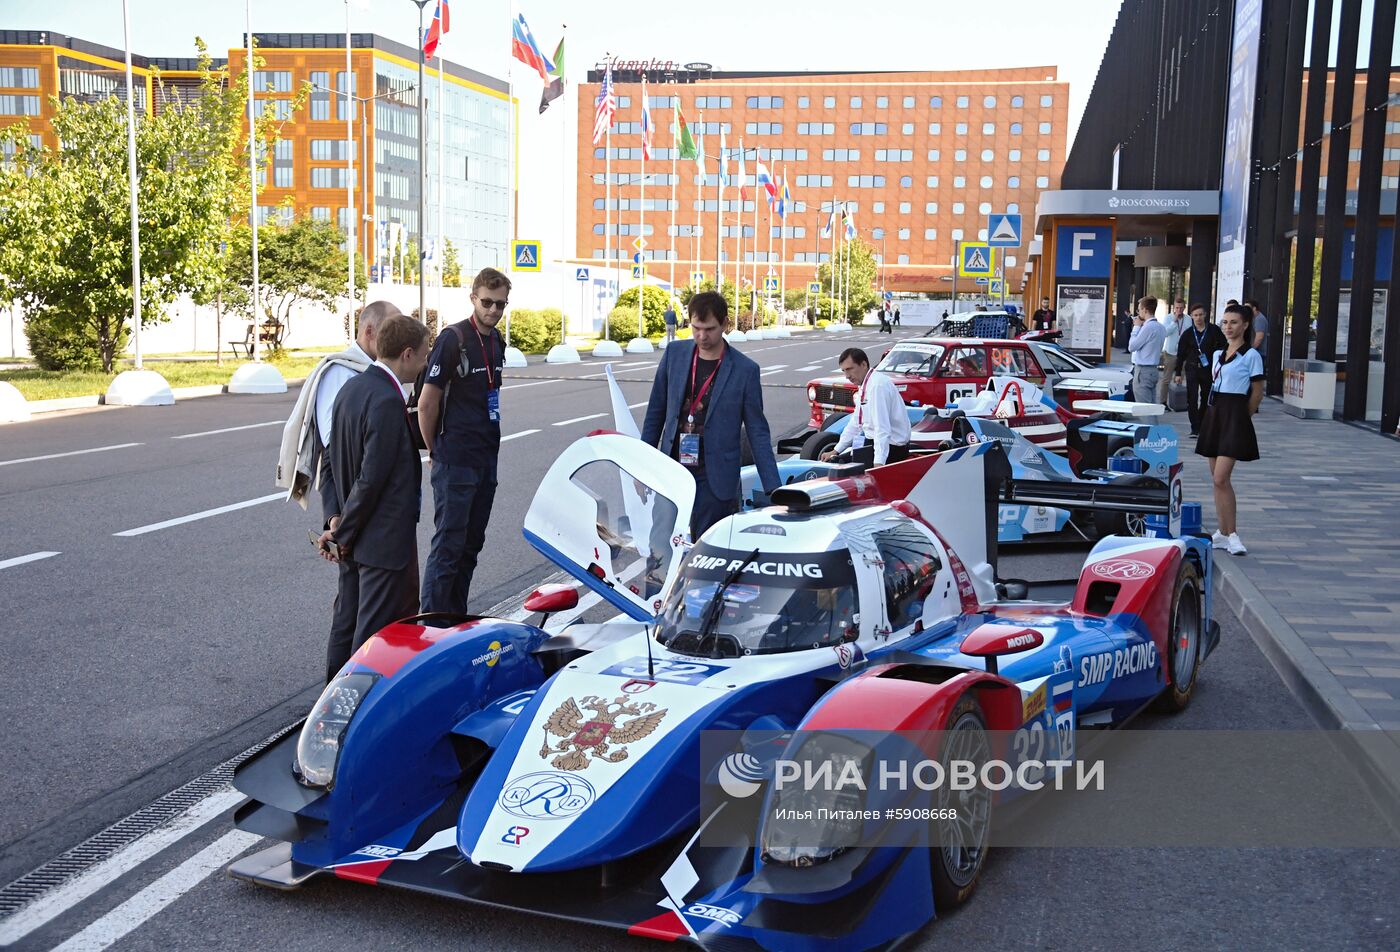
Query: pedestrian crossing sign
{"type": "Point", "coordinates": [525, 255]}
{"type": "Point", "coordinates": [639, 271]}
{"type": "Point", "coordinates": [770, 283]}
{"type": "Point", "coordinates": [814, 287]}
{"type": "Point", "coordinates": [994, 286]}
{"type": "Point", "coordinates": [976, 259]}
{"type": "Point", "coordinates": [697, 278]}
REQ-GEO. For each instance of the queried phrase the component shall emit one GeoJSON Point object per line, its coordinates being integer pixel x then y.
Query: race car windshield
{"type": "Point", "coordinates": [911, 362]}
{"type": "Point", "coordinates": [774, 604]}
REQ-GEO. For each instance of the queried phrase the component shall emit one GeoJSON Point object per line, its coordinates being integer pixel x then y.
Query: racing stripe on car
{"type": "Point", "coordinates": [668, 926]}
{"type": "Point", "coordinates": [367, 872]}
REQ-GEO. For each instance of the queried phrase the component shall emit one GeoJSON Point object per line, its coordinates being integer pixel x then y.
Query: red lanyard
{"type": "Point", "coordinates": [705, 388]}
{"type": "Point", "coordinates": [860, 399]}
{"type": "Point", "coordinates": [485, 357]}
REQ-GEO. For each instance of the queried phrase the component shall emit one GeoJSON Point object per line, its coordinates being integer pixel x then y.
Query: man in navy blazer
{"type": "Point", "coordinates": [704, 389]}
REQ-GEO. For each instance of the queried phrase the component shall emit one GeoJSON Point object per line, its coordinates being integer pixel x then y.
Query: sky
{"type": "Point", "coordinates": [818, 35]}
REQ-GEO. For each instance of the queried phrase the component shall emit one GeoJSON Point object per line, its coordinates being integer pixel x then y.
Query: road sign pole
{"type": "Point", "coordinates": [957, 266]}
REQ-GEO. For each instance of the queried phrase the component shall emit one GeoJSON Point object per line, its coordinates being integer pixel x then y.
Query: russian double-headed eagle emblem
{"type": "Point", "coordinates": [585, 740]}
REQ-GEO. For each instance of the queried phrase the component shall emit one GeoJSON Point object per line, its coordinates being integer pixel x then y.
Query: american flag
{"type": "Point", "coordinates": [607, 105]}
{"type": "Point", "coordinates": [646, 123]}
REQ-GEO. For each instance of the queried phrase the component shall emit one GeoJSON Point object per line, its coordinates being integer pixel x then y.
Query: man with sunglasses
{"type": "Point", "coordinates": [459, 413]}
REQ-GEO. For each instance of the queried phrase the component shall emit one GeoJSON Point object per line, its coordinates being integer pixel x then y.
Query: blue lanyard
{"type": "Point", "coordinates": [1200, 336]}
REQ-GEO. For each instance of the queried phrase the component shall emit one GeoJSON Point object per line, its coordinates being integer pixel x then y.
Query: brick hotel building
{"type": "Point", "coordinates": [919, 157]}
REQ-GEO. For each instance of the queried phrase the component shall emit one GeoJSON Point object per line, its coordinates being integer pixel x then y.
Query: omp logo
{"type": "Point", "coordinates": [383, 852]}
{"type": "Point", "coordinates": [492, 655]}
{"type": "Point", "coordinates": [1124, 570]}
{"type": "Point", "coordinates": [714, 913]}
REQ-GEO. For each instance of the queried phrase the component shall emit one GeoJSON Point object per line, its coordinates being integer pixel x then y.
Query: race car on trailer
{"type": "Point", "coordinates": [561, 771]}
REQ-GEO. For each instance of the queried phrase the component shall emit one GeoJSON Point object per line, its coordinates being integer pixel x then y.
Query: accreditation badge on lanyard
{"type": "Point", "coordinates": [493, 392]}
{"type": "Point", "coordinates": [1201, 354]}
{"type": "Point", "coordinates": [688, 446]}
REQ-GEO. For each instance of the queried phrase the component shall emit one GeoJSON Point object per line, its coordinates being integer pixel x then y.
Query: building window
{"type": "Point", "coordinates": [19, 105]}
{"type": "Point", "coordinates": [935, 102]}
{"type": "Point", "coordinates": [930, 208]}
{"type": "Point", "coordinates": [930, 234]}
{"type": "Point", "coordinates": [877, 233]}
{"type": "Point", "coordinates": [962, 102]}
{"type": "Point", "coordinates": [1013, 208]}
{"type": "Point", "coordinates": [960, 129]}
{"type": "Point", "coordinates": [814, 181]}
{"type": "Point", "coordinates": [1045, 128]}
{"type": "Point", "coordinates": [1047, 100]}
{"type": "Point", "coordinates": [959, 208]}
{"type": "Point", "coordinates": [985, 208]}
{"type": "Point", "coordinates": [894, 155]}
{"type": "Point", "coordinates": [905, 208]}
{"type": "Point", "coordinates": [989, 128]}
{"type": "Point", "coordinates": [987, 155]}
{"type": "Point", "coordinates": [933, 155]}
{"type": "Point", "coordinates": [841, 155]}
{"type": "Point", "coordinates": [1042, 181]}
{"type": "Point", "coordinates": [1011, 261]}
{"type": "Point", "coordinates": [19, 77]}
{"type": "Point", "coordinates": [624, 102]}
{"type": "Point", "coordinates": [877, 208]}
{"type": "Point", "coordinates": [907, 129]}
{"type": "Point", "coordinates": [662, 102]}
{"type": "Point", "coordinates": [882, 102]}
{"type": "Point", "coordinates": [328, 178]}
{"type": "Point", "coordinates": [765, 102]}
{"type": "Point", "coordinates": [865, 181]}
{"type": "Point", "coordinates": [272, 81]}
{"type": "Point", "coordinates": [1015, 128]}
{"type": "Point", "coordinates": [989, 102]}
{"type": "Point", "coordinates": [1043, 155]}
{"type": "Point", "coordinates": [280, 108]}
{"type": "Point", "coordinates": [321, 213]}
{"type": "Point", "coordinates": [903, 259]}
{"type": "Point", "coordinates": [1017, 102]}
{"type": "Point", "coordinates": [320, 96]}
{"type": "Point", "coordinates": [1014, 182]}
{"type": "Point", "coordinates": [906, 181]}
{"type": "Point", "coordinates": [345, 108]}
{"type": "Point", "coordinates": [803, 102]}
{"type": "Point", "coordinates": [868, 128]}
{"type": "Point", "coordinates": [981, 234]}
{"type": "Point", "coordinates": [828, 102]}
{"type": "Point", "coordinates": [816, 128]}
{"type": "Point", "coordinates": [932, 181]}
{"type": "Point", "coordinates": [959, 181]}
{"type": "Point", "coordinates": [960, 155]}
{"type": "Point", "coordinates": [1013, 155]}
{"type": "Point", "coordinates": [904, 234]}
{"type": "Point", "coordinates": [855, 102]}
{"type": "Point", "coordinates": [935, 128]}
{"type": "Point", "coordinates": [763, 128]}
{"type": "Point", "coordinates": [327, 150]}
{"type": "Point", "coordinates": [957, 234]}
{"type": "Point", "coordinates": [908, 102]}
{"type": "Point", "coordinates": [712, 102]}
{"type": "Point", "coordinates": [985, 181]}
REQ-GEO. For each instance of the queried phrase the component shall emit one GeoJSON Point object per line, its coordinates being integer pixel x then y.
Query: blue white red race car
{"type": "Point", "coordinates": [562, 771]}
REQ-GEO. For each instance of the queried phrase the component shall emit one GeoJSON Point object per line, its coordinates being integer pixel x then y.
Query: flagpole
{"type": "Point", "coordinates": [350, 223]}
{"type": "Point", "coordinates": [831, 260]}
{"type": "Point", "coordinates": [699, 206]}
{"type": "Point", "coordinates": [675, 150]}
{"type": "Point", "coordinates": [440, 249]}
{"type": "Point", "coordinates": [642, 217]}
{"type": "Point", "coordinates": [607, 217]}
{"type": "Point", "coordinates": [753, 287]}
{"type": "Point", "coordinates": [768, 262]}
{"type": "Point", "coordinates": [253, 188]}
{"type": "Point", "coordinates": [782, 255]}
{"type": "Point", "coordinates": [719, 222]}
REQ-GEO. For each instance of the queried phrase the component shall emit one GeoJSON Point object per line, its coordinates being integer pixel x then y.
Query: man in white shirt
{"type": "Point", "coordinates": [1145, 344]}
{"type": "Point", "coordinates": [1174, 324]}
{"type": "Point", "coordinates": [879, 417]}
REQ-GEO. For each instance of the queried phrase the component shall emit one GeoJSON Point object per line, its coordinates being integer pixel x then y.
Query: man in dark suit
{"type": "Point", "coordinates": [378, 485]}
{"type": "Point", "coordinates": [704, 389]}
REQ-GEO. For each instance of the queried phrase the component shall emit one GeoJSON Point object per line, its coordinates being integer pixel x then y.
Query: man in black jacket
{"type": "Point", "coordinates": [1198, 342]}
{"type": "Point", "coordinates": [378, 480]}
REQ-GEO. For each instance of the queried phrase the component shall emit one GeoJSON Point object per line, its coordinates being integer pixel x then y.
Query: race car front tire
{"type": "Point", "coordinates": [1184, 636]}
{"type": "Point", "coordinates": [1133, 524]}
{"type": "Point", "coordinates": [959, 847]}
{"type": "Point", "coordinates": [818, 443]}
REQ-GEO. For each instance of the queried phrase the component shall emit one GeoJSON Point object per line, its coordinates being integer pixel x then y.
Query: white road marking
{"type": "Point", "coordinates": [515, 435]}
{"type": "Point", "coordinates": [591, 416]}
{"type": "Point", "coordinates": [633, 406]}
{"type": "Point", "coordinates": [536, 383]}
{"type": "Point", "coordinates": [159, 894]}
{"type": "Point", "coordinates": [207, 513]}
{"type": "Point", "coordinates": [22, 559]}
{"type": "Point", "coordinates": [776, 367]}
{"type": "Point", "coordinates": [54, 904]}
{"type": "Point", "coordinates": [95, 449]}
{"type": "Point", "coordinates": [229, 429]}
{"type": "Point", "coordinates": [809, 369]}
{"type": "Point", "coordinates": [775, 370]}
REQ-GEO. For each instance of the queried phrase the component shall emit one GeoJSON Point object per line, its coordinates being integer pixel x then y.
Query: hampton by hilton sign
{"type": "Point", "coordinates": [635, 65]}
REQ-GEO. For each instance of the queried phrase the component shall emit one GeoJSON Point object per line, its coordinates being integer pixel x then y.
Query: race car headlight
{"type": "Point", "coordinates": [812, 394]}
{"type": "Point", "coordinates": [318, 748]}
{"type": "Point", "coordinates": [818, 802]}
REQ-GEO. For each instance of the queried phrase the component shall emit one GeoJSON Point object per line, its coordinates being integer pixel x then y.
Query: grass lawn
{"type": "Point", "coordinates": [52, 384]}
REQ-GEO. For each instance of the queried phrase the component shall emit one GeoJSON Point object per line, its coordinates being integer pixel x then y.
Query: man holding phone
{"type": "Point", "coordinates": [378, 483]}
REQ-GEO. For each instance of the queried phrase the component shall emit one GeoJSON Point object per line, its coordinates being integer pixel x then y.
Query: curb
{"type": "Point", "coordinates": [1375, 751]}
{"type": "Point", "coordinates": [97, 400]}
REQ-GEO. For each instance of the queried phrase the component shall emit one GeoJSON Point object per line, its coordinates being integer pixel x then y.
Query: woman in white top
{"type": "Point", "coordinates": [1227, 433]}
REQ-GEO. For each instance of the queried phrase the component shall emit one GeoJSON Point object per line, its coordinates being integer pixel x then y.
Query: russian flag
{"type": "Point", "coordinates": [436, 30]}
{"type": "Point", "coordinates": [766, 181]}
{"type": "Point", "coordinates": [1063, 696]}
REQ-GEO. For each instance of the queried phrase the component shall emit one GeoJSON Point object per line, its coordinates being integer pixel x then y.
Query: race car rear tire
{"type": "Point", "coordinates": [818, 443]}
{"type": "Point", "coordinates": [955, 865]}
{"type": "Point", "coordinates": [1124, 523]}
{"type": "Point", "coordinates": [1185, 634]}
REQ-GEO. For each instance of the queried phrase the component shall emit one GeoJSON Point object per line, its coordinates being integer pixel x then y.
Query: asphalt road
{"type": "Point", "coordinates": [136, 663]}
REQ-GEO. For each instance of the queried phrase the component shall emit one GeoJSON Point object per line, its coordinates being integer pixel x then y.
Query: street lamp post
{"type": "Point", "coordinates": [131, 176]}
{"type": "Point", "coordinates": [422, 177]}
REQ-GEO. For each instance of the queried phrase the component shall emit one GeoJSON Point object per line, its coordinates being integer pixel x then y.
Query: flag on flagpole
{"type": "Point", "coordinates": [556, 87]}
{"type": "Point", "coordinates": [743, 191]}
{"type": "Point", "coordinates": [646, 123]}
{"type": "Point", "coordinates": [830, 223]}
{"type": "Point", "coordinates": [433, 35]}
{"type": "Point", "coordinates": [723, 160]}
{"type": "Point", "coordinates": [524, 48]}
{"type": "Point", "coordinates": [700, 152]}
{"type": "Point", "coordinates": [763, 178]}
{"type": "Point", "coordinates": [849, 220]}
{"type": "Point", "coordinates": [783, 199]}
{"type": "Point", "coordinates": [607, 105]}
{"type": "Point", "coordinates": [787, 196]}
{"type": "Point", "coordinates": [684, 142]}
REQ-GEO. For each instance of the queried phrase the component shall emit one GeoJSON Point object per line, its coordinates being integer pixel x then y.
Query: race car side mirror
{"type": "Point", "coordinates": [990, 641]}
{"type": "Point", "coordinates": [548, 599]}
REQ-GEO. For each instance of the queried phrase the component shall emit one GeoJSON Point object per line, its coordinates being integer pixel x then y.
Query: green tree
{"type": "Point", "coordinates": [686, 293]}
{"type": "Point", "coordinates": [860, 273]}
{"type": "Point", "coordinates": [298, 263]}
{"type": "Point", "coordinates": [451, 265]}
{"type": "Point", "coordinates": [653, 307]}
{"type": "Point", "coordinates": [65, 214]}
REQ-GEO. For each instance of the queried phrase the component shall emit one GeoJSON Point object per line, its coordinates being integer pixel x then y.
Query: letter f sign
{"type": "Point", "coordinates": [1079, 251]}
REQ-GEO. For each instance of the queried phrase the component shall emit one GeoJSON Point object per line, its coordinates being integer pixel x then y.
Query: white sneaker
{"type": "Point", "coordinates": [1219, 540]}
{"type": "Point", "coordinates": [1234, 544]}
